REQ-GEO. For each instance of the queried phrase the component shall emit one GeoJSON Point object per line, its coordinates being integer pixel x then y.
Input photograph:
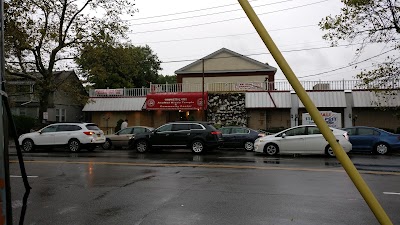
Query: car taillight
{"type": "Point", "coordinates": [215, 132]}
{"type": "Point", "coordinates": [88, 132]}
{"type": "Point", "coordinates": [346, 136]}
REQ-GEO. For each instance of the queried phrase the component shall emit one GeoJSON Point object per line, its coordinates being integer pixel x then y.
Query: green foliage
{"type": "Point", "coordinates": [108, 64]}
{"type": "Point", "coordinates": [170, 79]}
{"type": "Point", "coordinates": [43, 36]}
{"type": "Point", "coordinates": [118, 127]}
{"type": "Point", "coordinates": [368, 22]}
{"type": "Point", "coordinates": [24, 124]}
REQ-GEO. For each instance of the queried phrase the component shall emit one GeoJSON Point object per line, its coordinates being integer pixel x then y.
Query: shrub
{"type": "Point", "coordinates": [24, 124]}
{"type": "Point", "coordinates": [118, 127]}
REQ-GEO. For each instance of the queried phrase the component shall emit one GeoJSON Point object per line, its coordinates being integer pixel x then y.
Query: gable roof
{"type": "Point", "coordinates": [58, 76]}
{"type": "Point", "coordinates": [228, 60]}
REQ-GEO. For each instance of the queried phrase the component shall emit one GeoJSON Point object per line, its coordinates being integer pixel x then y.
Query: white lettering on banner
{"type": "Point", "coordinates": [248, 86]}
{"type": "Point", "coordinates": [331, 118]}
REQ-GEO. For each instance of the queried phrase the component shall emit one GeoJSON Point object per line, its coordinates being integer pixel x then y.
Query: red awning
{"type": "Point", "coordinates": [176, 101]}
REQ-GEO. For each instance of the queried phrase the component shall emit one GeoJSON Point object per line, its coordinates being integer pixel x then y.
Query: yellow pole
{"type": "Point", "coordinates": [341, 155]}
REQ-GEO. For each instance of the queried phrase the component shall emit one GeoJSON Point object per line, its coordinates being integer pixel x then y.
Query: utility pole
{"type": "Point", "coordinates": [5, 196]}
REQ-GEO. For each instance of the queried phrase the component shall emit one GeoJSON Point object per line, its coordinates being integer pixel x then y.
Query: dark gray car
{"type": "Point", "coordinates": [239, 137]}
{"type": "Point", "coordinates": [196, 135]}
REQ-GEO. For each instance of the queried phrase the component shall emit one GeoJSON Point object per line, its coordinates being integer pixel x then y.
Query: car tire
{"type": "Point", "coordinates": [28, 145]}
{"type": "Point", "coordinates": [248, 146]}
{"type": "Point", "coordinates": [107, 145]}
{"type": "Point", "coordinates": [197, 146]}
{"type": "Point", "coordinates": [381, 148]}
{"type": "Point", "coordinates": [271, 149]}
{"type": "Point", "coordinates": [142, 146]}
{"type": "Point", "coordinates": [74, 145]}
{"type": "Point", "coordinates": [329, 151]}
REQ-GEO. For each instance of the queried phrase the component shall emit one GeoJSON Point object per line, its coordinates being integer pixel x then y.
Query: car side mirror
{"type": "Point", "coordinates": [283, 135]}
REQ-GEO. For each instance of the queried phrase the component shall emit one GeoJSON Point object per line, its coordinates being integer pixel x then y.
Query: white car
{"type": "Point", "coordinates": [73, 135]}
{"type": "Point", "coordinates": [306, 139]}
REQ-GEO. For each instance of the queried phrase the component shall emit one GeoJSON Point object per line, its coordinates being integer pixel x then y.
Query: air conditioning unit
{"type": "Point", "coordinates": [321, 87]}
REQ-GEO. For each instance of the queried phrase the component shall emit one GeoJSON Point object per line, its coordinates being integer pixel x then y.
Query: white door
{"type": "Point", "coordinates": [315, 142]}
{"type": "Point", "coordinates": [46, 135]}
{"type": "Point", "coordinates": [293, 141]}
{"type": "Point", "coordinates": [65, 133]}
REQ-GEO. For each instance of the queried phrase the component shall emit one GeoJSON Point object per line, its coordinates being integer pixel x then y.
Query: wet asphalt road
{"type": "Point", "coordinates": [221, 187]}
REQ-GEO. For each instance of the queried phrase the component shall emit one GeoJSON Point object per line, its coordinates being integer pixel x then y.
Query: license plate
{"type": "Point", "coordinates": [98, 135]}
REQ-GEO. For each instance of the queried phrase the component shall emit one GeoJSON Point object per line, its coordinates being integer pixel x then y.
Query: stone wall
{"type": "Point", "coordinates": [227, 109]}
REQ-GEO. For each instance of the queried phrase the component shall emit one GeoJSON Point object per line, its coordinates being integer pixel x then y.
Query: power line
{"type": "Point", "coordinates": [196, 10]}
{"type": "Point", "coordinates": [230, 35]}
{"type": "Point", "coordinates": [220, 21]}
{"type": "Point", "coordinates": [267, 53]}
{"type": "Point", "coordinates": [295, 50]}
{"type": "Point", "coordinates": [209, 14]}
{"type": "Point", "coordinates": [351, 64]}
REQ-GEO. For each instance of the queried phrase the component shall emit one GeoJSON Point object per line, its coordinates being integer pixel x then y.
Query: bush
{"type": "Point", "coordinates": [118, 127]}
{"type": "Point", "coordinates": [24, 124]}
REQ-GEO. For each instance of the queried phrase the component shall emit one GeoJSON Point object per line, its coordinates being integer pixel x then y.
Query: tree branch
{"type": "Point", "coordinates": [74, 16]}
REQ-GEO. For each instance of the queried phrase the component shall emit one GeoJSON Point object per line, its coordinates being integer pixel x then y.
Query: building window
{"type": "Point", "coordinates": [60, 115]}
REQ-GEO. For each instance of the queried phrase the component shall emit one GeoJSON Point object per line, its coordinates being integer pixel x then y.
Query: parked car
{"type": "Point", "coordinates": [372, 139]}
{"type": "Point", "coordinates": [198, 136]}
{"type": "Point", "coordinates": [305, 139]}
{"type": "Point", "coordinates": [121, 138]}
{"type": "Point", "coordinates": [73, 135]}
{"type": "Point", "coordinates": [239, 137]}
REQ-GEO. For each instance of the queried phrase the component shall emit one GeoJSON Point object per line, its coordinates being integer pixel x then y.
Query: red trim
{"type": "Point", "coordinates": [176, 101]}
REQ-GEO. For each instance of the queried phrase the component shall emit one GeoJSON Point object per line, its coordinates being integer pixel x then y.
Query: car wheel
{"type": "Point", "coordinates": [107, 145]}
{"type": "Point", "coordinates": [271, 149]}
{"type": "Point", "coordinates": [249, 146]}
{"type": "Point", "coordinates": [142, 146]}
{"type": "Point", "coordinates": [197, 146]}
{"type": "Point", "coordinates": [329, 151]}
{"type": "Point", "coordinates": [381, 148]}
{"type": "Point", "coordinates": [74, 145]}
{"type": "Point", "coordinates": [28, 145]}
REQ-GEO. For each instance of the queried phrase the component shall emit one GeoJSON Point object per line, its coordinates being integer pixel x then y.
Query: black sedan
{"type": "Point", "coordinates": [239, 137]}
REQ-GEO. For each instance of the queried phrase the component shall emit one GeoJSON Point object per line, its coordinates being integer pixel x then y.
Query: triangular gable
{"type": "Point", "coordinates": [223, 61]}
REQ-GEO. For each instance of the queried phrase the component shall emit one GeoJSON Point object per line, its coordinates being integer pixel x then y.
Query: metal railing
{"type": "Point", "coordinates": [243, 87]}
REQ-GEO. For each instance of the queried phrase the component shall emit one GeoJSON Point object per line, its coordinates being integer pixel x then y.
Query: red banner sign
{"type": "Point", "coordinates": [176, 101]}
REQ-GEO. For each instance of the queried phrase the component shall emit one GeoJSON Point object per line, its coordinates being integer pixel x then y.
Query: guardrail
{"type": "Point", "coordinates": [242, 87]}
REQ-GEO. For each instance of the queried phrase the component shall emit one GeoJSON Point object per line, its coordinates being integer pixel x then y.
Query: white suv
{"type": "Point", "coordinates": [73, 135]}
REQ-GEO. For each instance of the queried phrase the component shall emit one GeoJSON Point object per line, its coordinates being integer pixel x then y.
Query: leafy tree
{"type": "Point", "coordinates": [367, 22]}
{"type": "Point", "coordinates": [170, 79]}
{"type": "Point", "coordinates": [107, 64]}
{"type": "Point", "coordinates": [41, 35]}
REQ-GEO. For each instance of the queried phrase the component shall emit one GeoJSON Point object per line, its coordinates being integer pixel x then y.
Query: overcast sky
{"type": "Point", "coordinates": [180, 32]}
